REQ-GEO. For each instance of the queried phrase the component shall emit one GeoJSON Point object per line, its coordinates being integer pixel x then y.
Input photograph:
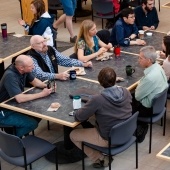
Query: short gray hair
{"type": "Point", "coordinates": [149, 52]}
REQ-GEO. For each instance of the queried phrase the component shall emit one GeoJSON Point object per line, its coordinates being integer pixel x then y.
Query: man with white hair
{"type": "Point", "coordinates": [152, 83]}
{"type": "Point", "coordinates": [46, 60]}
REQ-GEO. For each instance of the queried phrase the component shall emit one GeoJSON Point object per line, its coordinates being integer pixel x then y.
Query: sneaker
{"type": "Point", "coordinates": [105, 161]}
{"type": "Point", "coordinates": [73, 40]}
{"type": "Point", "coordinates": [98, 164]}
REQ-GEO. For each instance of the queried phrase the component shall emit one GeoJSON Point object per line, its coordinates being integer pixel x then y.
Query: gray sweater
{"type": "Point", "coordinates": [110, 107]}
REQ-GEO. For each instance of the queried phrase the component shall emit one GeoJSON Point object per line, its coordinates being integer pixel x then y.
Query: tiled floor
{"type": "Point", "coordinates": [9, 13]}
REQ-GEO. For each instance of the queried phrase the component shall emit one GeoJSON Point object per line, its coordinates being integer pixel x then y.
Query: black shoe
{"type": "Point", "coordinates": [141, 132]}
{"type": "Point", "coordinates": [73, 40]}
{"type": "Point", "coordinates": [87, 124]}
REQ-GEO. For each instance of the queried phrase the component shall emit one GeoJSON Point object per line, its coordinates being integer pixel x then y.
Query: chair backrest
{"type": "Point", "coordinates": [122, 132]}
{"type": "Point", "coordinates": [104, 35]}
{"type": "Point", "coordinates": [54, 5]}
{"type": "Point", "coordinates": [103, 6]}
{"type": "Point", "coordinates": [11, 145]}
{"type": "Point", "coordinates": [159, 101]}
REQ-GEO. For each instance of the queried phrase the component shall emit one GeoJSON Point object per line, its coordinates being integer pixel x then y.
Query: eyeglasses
{"type": "Point", "coordinates": [132, 17]}
{"type": "Point", "coordinates": [42, 42]}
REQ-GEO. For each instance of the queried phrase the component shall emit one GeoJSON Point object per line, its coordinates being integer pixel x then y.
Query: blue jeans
{"type": "Point", "coordinates": [23, 123]}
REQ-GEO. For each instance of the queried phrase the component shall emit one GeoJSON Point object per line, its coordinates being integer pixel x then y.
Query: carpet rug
{"type": "Point", "coordinates": [62, 46]}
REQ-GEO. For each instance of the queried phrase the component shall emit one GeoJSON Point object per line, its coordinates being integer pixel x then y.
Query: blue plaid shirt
{"type": "Point", "coordinates": [62, 61]}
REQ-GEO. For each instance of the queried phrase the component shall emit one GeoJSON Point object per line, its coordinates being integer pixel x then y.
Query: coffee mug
{"type": "Point", "coordinates": [141, 34]}
{"type": "Point", "coordinates": [4, 30]}
{"type": "Point", "coordinates": [117, 51]}
{"type": "Point", "coordinates": [129, 70]}
{"type": "Point", "coordinates": [72, 74]}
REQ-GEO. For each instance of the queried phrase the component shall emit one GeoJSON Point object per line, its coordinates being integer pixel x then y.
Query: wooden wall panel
{"type": "Point", "coordinates": [26, 12]}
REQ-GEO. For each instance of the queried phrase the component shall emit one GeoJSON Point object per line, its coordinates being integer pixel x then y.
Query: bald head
{"type": "Point", "coordinates": [35, 39]}
{"type": "Point", "coordinates": [22, 60]}
{"type": "Point", "coordinates": [38, 43]}
{"type": "Point", "coordinates": [24, 64]}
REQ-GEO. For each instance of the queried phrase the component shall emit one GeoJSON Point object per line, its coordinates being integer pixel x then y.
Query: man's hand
{"type": "Point", "coordinates": [62, 76]}
{"type": "Point", "coordinates": [87, 64]}
{"type": "Point", "coordinates": [46, 92]}
{"type": "Point", "coordinates": [140, 42]}
{"type": "Point", "coordinates": [152, 27]}
{"type": "Point", "coordinates": [145, 28]}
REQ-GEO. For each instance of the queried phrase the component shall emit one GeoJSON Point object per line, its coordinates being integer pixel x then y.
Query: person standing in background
{"type": "Point", "coordinates": [41, 23]}
{"type": "Point", "coordinates": [69, 7]}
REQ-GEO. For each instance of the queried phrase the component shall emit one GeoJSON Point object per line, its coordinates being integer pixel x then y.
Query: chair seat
{"type": "Point", "coordinates": [37, 149]}
{"type": "Point", "coordinates": [155, 117]}
{"type": "Point", "coordinates": [114, 150]}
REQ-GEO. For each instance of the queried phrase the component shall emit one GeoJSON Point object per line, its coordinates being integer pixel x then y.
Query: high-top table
{"type": "Point", "coordinates": [67, 152]}
{"type": "Point", "coordinates": [155, 40]}
{"type": "Point", "coordinates": [12, 47]}
{"type": "Point", "coordinates": [119, 65]}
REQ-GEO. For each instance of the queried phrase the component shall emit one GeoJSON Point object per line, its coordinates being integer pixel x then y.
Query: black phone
{"type": "Point", "coordinates": [51, 84]}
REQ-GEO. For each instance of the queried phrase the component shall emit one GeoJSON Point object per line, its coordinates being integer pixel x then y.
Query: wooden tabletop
{"type": "Point", "coordinates": [155, 40]}
{"type": "Point", "coordinates": [164, 153]}
{"type": "Point", "coordinates": [38, 108]}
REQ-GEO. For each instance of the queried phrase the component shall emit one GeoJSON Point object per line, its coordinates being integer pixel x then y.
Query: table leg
{"type": "Point", "coordinates": [2, 69]}
{"type": "Point", "coordinates": [67, 151]}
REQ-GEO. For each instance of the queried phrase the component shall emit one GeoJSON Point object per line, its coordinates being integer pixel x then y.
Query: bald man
{"type": "Point", "coordinates": [12, 85]}
{"type": "Point", "coordinates": [46, 60]}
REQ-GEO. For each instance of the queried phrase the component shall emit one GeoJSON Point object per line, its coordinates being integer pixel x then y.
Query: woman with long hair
{"type": "Point", "coordinates": [88, 44]}
{"type": "Point", "coordinates": [42, 22]}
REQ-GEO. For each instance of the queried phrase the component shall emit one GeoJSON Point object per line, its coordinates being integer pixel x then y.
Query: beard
{"type": "Point", "coordinates": [147, 9]}
{"type": "Point", "coordinates": [45, 48]}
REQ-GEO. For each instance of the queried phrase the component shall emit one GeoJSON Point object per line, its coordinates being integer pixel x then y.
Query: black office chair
{"type": "Point", "coordinates": [6, 128]}
{"type": "Point", "coordinates": [103, 9]}
{"type": "Point", "coordinates": [134, 3]}
{"type": "Point", "coordinates": [159, 112]}
{"type": "Point", "coordinates": [104, 35]}
{"type": "Point", "coordinates": [22, 152]}
{"type": "Point", "coordinates": [120, 138]}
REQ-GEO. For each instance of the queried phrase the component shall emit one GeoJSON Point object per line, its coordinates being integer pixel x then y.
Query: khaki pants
{"type": "Point", "coordinates": [89, 135]}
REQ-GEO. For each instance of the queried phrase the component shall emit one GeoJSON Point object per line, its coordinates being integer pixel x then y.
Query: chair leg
{"type": "Point", "coordinates": [110, 158]}
{"type": "Point", "coordinates": [164, 124]}
{"type": "Point", "coordinates": [150, 138]}
{"type": "Point", "coordinates": [30, 166]}
{"type": "Point", "coordinates": [159, 5]}
{"type": "Point", "coordinates": [136, 154]}
{"type": "Point", "coordinates": [56, 155]}
{"type": "Point", "coordinates": [82, 145]}
{"type": "Point", "coordinates": [0, 164]}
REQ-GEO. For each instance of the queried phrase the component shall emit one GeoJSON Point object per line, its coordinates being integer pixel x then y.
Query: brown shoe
{"type": "Point", "coordinates": [98, 164]}
{"type": "Point", "coordinates": [73, 40]}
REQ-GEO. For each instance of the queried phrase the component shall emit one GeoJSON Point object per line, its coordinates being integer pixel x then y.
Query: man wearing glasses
{"type": "Point", "coordinates": [125, 30]}
{"type": "Point", "coordinates": [146, 16]}
{"type": "Point", "coordinates": [46, 60]}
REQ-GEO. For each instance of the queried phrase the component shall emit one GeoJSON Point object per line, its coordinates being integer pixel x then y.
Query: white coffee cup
{"type": "Point", "coordinates": [141, 34]}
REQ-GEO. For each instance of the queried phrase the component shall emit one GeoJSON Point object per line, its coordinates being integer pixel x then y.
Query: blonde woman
{"type": "Point", "coordinates": [88, 45]}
